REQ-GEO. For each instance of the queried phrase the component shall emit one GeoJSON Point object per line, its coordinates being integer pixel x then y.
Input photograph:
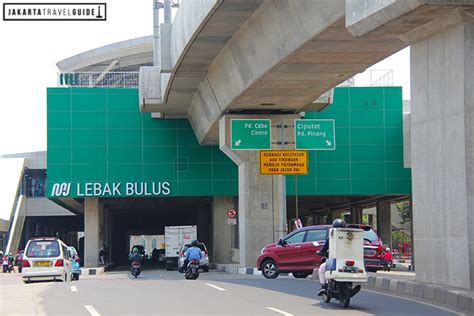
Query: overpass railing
{"type": "Point", "coordinates": [371, 78]}
{"type": "Point", "coordinates": [98, 79]}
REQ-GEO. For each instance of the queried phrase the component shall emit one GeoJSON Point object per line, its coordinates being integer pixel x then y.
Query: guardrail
{"type": "Point", "coordinates": [98, 79]}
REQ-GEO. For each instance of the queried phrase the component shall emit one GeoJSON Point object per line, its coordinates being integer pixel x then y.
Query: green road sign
{"type": "Point", "coordinates": [315, 134]}
{"type": "Point", "coordinates": [250, 134]}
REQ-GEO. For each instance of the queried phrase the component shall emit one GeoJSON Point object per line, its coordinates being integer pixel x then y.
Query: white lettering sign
{"type": "Point", "coordinates": [114, 189]}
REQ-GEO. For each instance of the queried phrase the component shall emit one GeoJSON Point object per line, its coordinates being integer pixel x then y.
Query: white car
{"type": "Point", "coordinates": [203, 263]}
{"type": "Point", "coordinates": [46, 258]}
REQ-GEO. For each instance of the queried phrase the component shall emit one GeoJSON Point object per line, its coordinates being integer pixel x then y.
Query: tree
{"type": "Point", "coordinates": [404, 209]}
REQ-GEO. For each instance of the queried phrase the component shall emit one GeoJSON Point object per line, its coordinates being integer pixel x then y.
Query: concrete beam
{"type": "Point", "coordinates": [286, 55]}
{"type": "Point", "coordinates": [399, 16]}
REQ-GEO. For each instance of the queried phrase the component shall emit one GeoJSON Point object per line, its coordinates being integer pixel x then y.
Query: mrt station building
{"type": "Point", "coordinates": [123, 172]}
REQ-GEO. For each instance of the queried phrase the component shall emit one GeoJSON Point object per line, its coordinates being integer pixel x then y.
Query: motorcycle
{"type": "Point", "coordinates": [10, 267]}
{"type": "Point", "coordinates": [136, 265]}
{"type": "Point", "coordinates": [192, 270]}
{"type": "Point", "coordinates": [388, 265]}
{"type": "Point", "coordinates": [345, 265]}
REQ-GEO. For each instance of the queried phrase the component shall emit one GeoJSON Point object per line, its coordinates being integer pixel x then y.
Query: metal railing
{"type": "Point", "coordinates": [98, 79]}
{"type": "Point", "coordinates": [371, 78]}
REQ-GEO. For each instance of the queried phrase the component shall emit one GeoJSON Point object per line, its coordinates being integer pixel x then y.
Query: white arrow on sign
{"type": "Point", "coordinates": [328, 142]}
{"type": "Point", "coordinates": [237, 142]}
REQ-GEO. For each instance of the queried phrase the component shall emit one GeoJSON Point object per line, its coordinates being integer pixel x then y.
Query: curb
{"type": "Point", "coordinates": [98, 270]}
{"type": "Point", "coordinates": [235, 269]}
{"type": "Point", "coordinates": [449, 298]}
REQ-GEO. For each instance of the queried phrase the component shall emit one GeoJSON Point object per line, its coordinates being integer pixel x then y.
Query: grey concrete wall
{"type": "Point", "coordinates": [92, 211]}
{"type": "Point", "coordinates": [222, 232]}
{"type": "Point", "coordinates": [442, 127]}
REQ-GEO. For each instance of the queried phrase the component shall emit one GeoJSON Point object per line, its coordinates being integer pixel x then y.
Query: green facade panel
{"type": "Point", "coordinates": [99, 144]}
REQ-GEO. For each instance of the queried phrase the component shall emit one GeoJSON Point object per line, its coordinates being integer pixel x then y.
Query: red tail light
{"type": "Point", "coordinates": [59, 263]}
{"type": "Point", "coordinates": [350, 263]}
{"type": "Point", "coordinates": [206, 252]}
{"type": "Point", "coordinates": [26, 264]}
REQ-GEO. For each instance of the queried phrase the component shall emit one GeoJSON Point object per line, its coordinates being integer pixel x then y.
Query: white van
{"type": "Point", "coordinates": [46, 258]}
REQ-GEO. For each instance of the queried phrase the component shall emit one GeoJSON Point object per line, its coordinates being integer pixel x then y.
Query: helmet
{"type": "Point", "coordinates": [194, 243]}
{"type": "Point", "coordinates": [387, 249]}
{"type": "Point", "coordinates": [338, 223]}
{"type": "Point", "coordinates": [135, 250]}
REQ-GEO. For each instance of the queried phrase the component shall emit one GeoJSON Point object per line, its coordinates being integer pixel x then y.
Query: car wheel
{"type": "Point", "coordinates": [205, 268]}
{"type": "Point", "coordinates": [300, 275]}
{"type": "Point", "coordinates": [270, 269]}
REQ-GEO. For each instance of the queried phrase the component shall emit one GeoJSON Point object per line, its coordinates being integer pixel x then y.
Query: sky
{"type": "Point", "coordinates": [30, 51]}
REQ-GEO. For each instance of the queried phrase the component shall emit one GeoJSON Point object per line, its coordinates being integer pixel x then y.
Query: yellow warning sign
{"type": "Point", "coordinates": [286, 162]}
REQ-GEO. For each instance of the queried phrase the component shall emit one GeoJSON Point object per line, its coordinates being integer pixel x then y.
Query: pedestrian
{"type": "Point", "coordinates": [20, 261]}
{"type": "Point", "coordinates": [102, 253]}
{"type": "Point", "coordinates": [5, 263]}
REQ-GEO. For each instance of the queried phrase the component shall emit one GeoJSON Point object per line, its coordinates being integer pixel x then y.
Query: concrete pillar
{"type": "Point", "coordinates": [384, 222]}
{"type": "Point", "coordinates": [356, 215]}
{"type": "Point", "coordinates": [442, 130]}
{"type": "Point", "coordinates": [91, 231]}
{"type": "Point", "coordinates": [262, 199]}
{"type": "Point", "coordinates": [222, 233]}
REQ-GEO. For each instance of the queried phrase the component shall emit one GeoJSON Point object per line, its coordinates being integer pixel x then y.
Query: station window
{"type": "Point", "coordinates": [34, 184]}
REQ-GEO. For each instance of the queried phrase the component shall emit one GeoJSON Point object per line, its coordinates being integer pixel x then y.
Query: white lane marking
{"type": "Point", "coordinates": [279, 311]}
{"type": "Point", "coordinates": [92, 310]}
{"type": "Point", "coordinates": [73, 288]}
{"type": "Point", "coordinates": [214, 286]}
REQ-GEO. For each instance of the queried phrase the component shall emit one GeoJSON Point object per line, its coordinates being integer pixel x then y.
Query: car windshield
{"type": "Point", "coordinates": [200, 246]}
{"type": "Point", "coordinates": [370, 235]}
{"type": "Point", "coordinates": [43, 249]}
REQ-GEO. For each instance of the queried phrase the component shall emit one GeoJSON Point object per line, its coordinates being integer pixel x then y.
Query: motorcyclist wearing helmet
{"type": "Point", "coordinates": [193, 253]}
{"type": "Point", "coordinates": [135, 255]}
{"type": "Point", "coordinates": [338, 223]}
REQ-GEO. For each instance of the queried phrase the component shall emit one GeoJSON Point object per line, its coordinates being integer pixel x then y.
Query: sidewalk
{"type": "Point", "coordinates": [399, 282]}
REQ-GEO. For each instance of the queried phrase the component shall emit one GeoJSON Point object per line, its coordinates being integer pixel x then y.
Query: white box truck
{"type": "Point", "coordinates": [175, 237]}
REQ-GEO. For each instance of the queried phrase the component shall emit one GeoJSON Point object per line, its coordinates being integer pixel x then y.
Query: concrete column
{"type": "Point", "coordinates": [222, 232]}
{"type": "Point", "coordinates": [262, 199]}
{"type": "Point", "coordinates": [356, 215]}
{"type": "Point", "coordinates": [384, 222]}
{"type": "Point", "coordinates": [442, 130]}
{"type": "Point", "coordinates": [91, 232]}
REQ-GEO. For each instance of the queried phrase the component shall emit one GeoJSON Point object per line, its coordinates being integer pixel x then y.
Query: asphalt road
{"type": "Point", "coordinates": [159, 292]}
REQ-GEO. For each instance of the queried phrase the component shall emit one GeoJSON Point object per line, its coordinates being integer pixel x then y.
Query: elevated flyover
{"type": "Point", "coordinates": [274, 56]}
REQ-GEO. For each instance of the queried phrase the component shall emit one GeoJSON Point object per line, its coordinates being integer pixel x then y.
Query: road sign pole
{"type": "Point", "coordinates": [296, 195]}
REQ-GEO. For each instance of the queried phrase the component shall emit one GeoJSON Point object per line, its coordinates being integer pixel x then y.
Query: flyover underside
{"type": "Point", "coordinates": [280, 62]}
{"type": "Point", "coordinates": [216, 30]}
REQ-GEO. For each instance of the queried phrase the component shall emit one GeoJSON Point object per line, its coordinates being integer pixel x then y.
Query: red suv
{"type": "Point", "coordinates": [296, 252]}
